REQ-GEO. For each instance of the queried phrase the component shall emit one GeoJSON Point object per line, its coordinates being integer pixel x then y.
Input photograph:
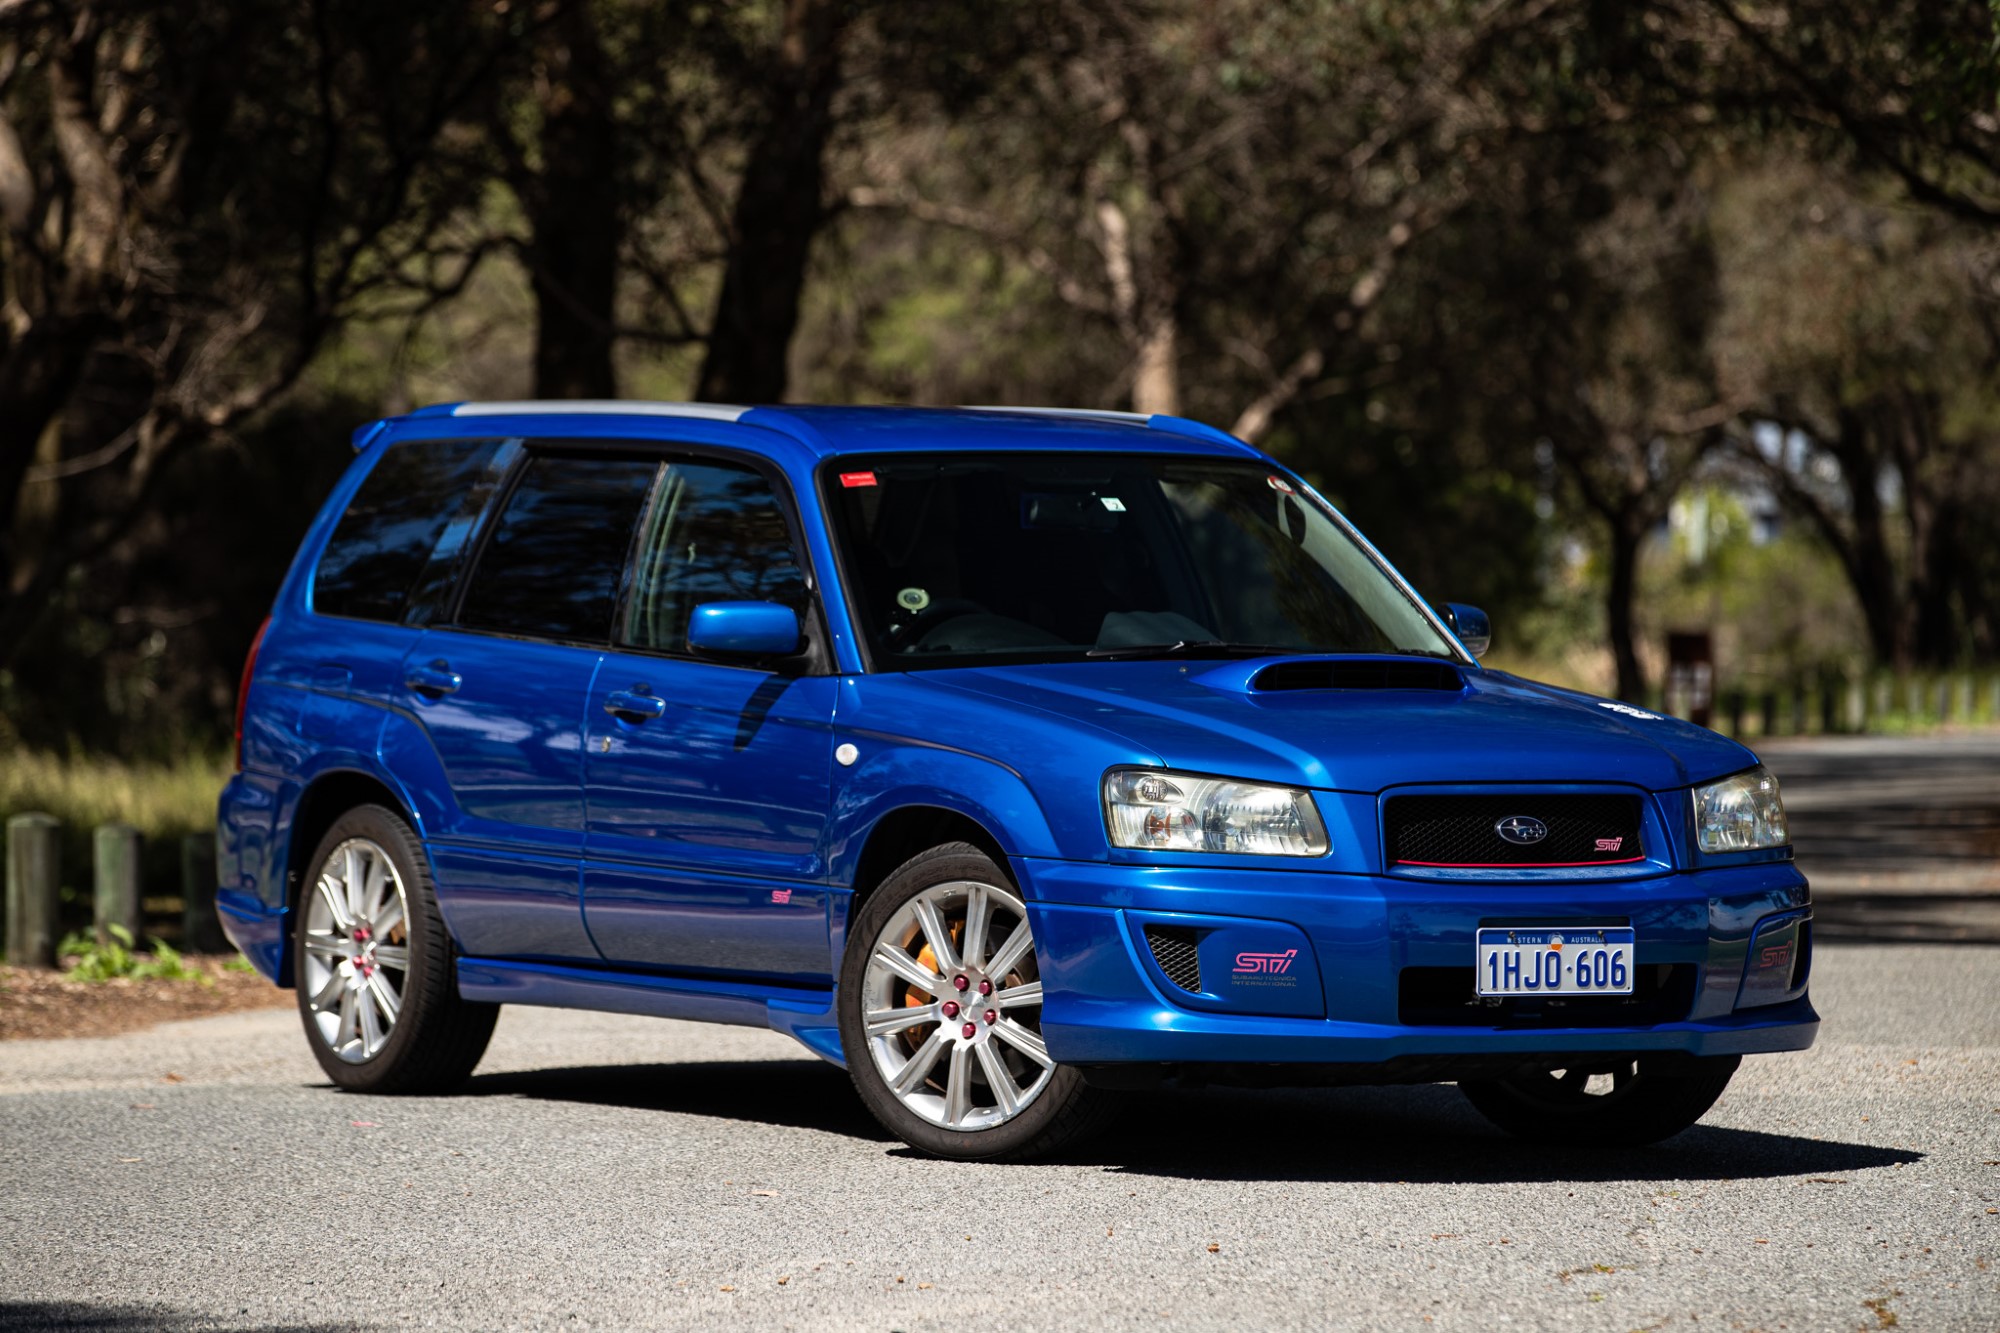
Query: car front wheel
{"type": "Point", "coordinates": [940, 1016]}
{"type": "Point", "coordinates": [1617, 1103]}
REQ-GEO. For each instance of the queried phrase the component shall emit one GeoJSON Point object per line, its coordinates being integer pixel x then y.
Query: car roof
{"type": "Point", "coordinates": [827, 431]}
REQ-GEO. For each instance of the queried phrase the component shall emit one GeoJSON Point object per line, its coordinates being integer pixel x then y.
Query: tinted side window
{"type": "Point", "coordinates": [715, 533]}
{"type": "Point", "coordinates": [552, 564]}
{"type": "Point", "coordinates": [382, 548]}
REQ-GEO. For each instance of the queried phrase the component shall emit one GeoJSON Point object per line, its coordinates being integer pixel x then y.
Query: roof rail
{"type": "Point", "coordinates": [599, 407]}
{"type": "Point", "coordinates": [1085, 413]}
{"type": "Point", "coordinates": [1173, 425]}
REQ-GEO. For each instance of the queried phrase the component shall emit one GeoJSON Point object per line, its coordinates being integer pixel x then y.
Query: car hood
{"type": "Point", "coordinates": [1208, 717]}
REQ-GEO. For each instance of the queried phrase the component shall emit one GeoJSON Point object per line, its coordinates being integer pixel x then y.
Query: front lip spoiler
{"type": "Point", "coordinates": [1516, 865]}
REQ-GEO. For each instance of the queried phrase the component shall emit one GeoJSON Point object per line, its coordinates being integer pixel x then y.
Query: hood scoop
{"type": "Point", "coordinates": [1290, 674]}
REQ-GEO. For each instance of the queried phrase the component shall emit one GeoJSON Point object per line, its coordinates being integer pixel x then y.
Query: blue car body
{"type": "Point", "coordinates": [708, 868]}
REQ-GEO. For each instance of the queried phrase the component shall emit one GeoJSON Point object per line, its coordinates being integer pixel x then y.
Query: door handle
{"type": "Point", "coordinates": [434, 681]}
{"type": "Point", "coordinates": [634, 705]}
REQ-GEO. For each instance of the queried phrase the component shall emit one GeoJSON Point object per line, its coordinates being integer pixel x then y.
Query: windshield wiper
{"type": "Point", "coordinates": [1191, 648]}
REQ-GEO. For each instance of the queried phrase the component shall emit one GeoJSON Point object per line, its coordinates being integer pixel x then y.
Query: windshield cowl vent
{"type": "Point", "coordinates": [1349, 674]}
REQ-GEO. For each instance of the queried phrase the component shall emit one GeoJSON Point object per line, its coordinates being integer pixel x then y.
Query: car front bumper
{"type": "Point", "coordinates": [1306, 968]}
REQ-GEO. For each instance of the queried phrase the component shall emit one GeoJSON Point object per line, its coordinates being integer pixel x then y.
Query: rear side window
{"type": "Point", "coordinates": [552, 565]}
{"type": "Point", "coordinates": [398, 544]}
{"type": "Point", "coordinates": [715, 533]}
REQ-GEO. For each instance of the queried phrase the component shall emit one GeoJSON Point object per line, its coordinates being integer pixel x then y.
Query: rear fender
{"type": "Point", "coordinates": [289, 853]}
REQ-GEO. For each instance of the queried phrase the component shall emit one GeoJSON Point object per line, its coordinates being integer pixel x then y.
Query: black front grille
{"type": "Point", "coordinates": [1429, 997]}
{"type": "Point", "coordinates": [1465, 830]}
{"type": "Point", "coordinates": [1391, 674]}
{"type": "Point", "coordinates": [1174, 950]}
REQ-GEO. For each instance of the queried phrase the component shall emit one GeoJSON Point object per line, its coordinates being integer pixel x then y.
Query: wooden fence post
{"type": "Point", "coordinates": [201, 929]}
{"type": "Point", "coordinates": [115, 850]}
{"type": "Point", "coordinates": [34, 878]}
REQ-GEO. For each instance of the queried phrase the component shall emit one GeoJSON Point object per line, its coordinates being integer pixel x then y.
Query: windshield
{"type": "Point", "coordinates": [955, 560]}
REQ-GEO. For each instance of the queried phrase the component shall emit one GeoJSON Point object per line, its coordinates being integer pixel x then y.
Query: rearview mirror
{"type": "Point", "coordinates": [1471, 626]}
{"type": "Point", "coordinates": [747, 629]}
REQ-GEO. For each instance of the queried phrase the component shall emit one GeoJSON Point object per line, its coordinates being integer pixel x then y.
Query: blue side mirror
{"type": "Point", "coordinates": [748, 629]}
{"type": "Point", "coordinates": [1471, 626]}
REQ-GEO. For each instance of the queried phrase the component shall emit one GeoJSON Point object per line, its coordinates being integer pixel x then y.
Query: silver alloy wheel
{"type": "Point", "coordinates": [357, 949]}
{"type": "Point", "coordinates": [951, 1007]}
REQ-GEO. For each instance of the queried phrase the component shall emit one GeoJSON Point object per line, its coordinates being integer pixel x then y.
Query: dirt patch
{"type": "Point", "coordinates": [35, 1003]}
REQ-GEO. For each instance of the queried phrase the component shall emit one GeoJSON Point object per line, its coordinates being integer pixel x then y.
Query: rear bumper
{"type": "Point", "coordinates": [1322, 969]}
{"type": "Point", "coordinates": [248, 895]}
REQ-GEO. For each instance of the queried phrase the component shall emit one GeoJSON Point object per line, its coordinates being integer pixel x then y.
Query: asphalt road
{"type": "Point", "coordinates": [607, 1172]}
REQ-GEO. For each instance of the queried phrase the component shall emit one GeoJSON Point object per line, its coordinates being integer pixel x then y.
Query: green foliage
{"type": "Point", "coordinates": [105, 962]}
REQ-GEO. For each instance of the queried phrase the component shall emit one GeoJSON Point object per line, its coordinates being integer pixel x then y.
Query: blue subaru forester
{"type": "Point", "coordinates": [1009, 757]}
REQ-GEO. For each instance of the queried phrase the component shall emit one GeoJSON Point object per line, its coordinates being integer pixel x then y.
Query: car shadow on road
{"type": "Point", "coordinates": [805, 1094]}
{"type": "Point", "coordinates": [1428, 1134]}
{"type": "Point", "coordinates": [1422, 1133]}
{"type": "Point", "coordinates": [92, 1317]}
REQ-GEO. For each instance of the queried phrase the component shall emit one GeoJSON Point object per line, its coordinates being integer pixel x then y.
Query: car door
{"type": "Point", "coordinates": [708, 778]}
{"type": "Point", "coordinates": [501, 692]}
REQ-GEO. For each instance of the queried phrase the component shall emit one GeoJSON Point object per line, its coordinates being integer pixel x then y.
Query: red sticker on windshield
{"type": "Point", "coordinates": [853, 479]}
{"type": "Point", "coordinates": [1280, 485]}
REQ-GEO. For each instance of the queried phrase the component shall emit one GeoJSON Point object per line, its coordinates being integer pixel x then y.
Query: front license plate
{"type": "Point", "coordinates": [1555, 962]}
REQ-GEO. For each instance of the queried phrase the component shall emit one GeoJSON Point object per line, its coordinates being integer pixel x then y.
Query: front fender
{"type": "Point", "coordinates": [895, 775]}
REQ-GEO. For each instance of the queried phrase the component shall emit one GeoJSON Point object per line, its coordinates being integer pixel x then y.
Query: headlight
{"type": "Point", "coordinates": [1154, 810]}
{"type": "Point", "coordinates": [1740, 814]}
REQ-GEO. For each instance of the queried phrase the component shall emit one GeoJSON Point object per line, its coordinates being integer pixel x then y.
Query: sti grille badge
{"type": "Point", "coordinates": [1521, 830]}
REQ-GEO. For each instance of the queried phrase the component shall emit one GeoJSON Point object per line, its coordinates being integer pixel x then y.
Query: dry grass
{"type": "Point", "coordinates": [160, 800]}
{"type": "Point", "coordinates": [165, 802]}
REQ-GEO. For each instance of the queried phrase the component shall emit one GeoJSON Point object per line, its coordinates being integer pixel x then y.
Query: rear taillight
{"type": "Point", "coordinates": [243, 687]}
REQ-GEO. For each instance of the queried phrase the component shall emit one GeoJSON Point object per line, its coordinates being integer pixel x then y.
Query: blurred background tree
{"type": "Point", "coordinates": [1614, 316]}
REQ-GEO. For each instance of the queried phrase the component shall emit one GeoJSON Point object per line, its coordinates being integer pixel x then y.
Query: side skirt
{"type": "Point", "coordinates": [800, 1012]}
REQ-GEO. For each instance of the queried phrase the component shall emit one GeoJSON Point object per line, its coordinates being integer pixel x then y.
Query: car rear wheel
{"type": "Point", "coordinates": [1617, 1103]}
{"type": "Point", "coordinates": [940, 1016]}
{"type": "Point", "coordinates": [373, 965]}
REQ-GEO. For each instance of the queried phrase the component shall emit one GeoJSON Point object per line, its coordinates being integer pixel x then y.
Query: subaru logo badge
{"type": "Point", "coordinates": [1521, 830]}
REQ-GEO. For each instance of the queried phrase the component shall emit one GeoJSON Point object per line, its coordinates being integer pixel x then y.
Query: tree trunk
{"type": "Point", "coordinates": [1627, 534]}
{"type": "Point", "coordinates": [1862, 544]}
{"type": "Point", "coordinates": [778, 211]}
{"type": "Point", "coordinates": [37, 376]}
{"type": "Point", "coordinates": [574, 211]}
{"type": "Point", "coordinates": [1156, 385]}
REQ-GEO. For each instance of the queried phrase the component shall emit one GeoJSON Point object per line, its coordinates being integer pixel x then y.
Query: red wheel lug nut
{"type": "Point", "coordinates": [969, 1031]}
{"type": "Point", "coordinates": [951, 1008]}
{"type": "Point", "coordinates": [992, 1017]}
{"type": "Point", "coordinates": [985, 988]}
{"type": "Point", "coordinates": [960, 982]}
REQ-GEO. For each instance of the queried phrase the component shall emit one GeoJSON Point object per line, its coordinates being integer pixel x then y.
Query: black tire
{"type": "Point", "coordinates": [1064, 1111]}
{"type": "Point", "coordinates": [436, 1037]}
{"type": "Point", "coordinates": [1644, 1104]}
